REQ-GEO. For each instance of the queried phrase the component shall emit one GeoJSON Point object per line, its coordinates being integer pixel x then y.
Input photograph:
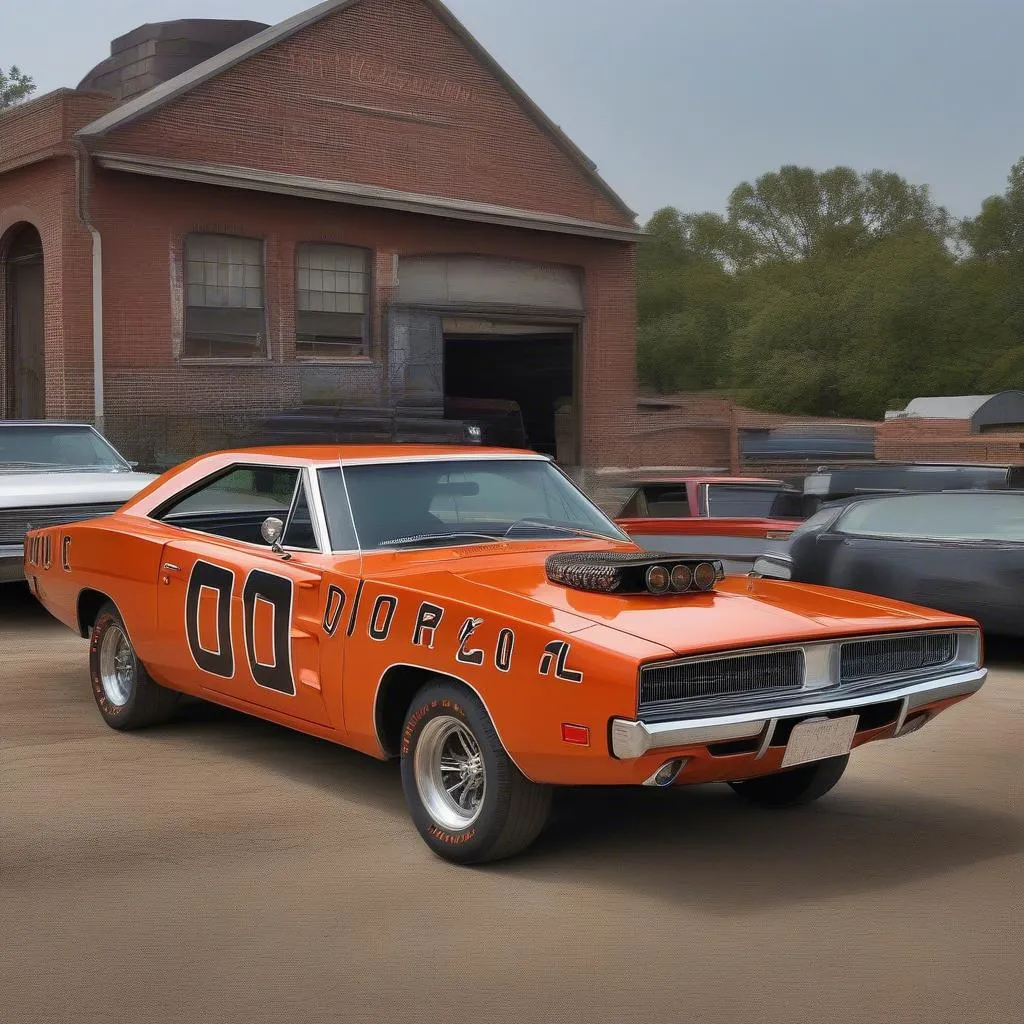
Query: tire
{"type": "Point", "coordinates": [505, 810]}
{"type": "Point", "coordinates": [795, 786]}
{"type": "Point", "coordinates": [125, 694]}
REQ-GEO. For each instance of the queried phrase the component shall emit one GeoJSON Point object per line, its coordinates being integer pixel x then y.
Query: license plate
{"type": "Point", "coordinates": [816, 741]}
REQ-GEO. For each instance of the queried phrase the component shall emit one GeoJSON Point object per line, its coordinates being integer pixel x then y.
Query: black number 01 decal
{"type": "Point", "coordinates": [268, 588]}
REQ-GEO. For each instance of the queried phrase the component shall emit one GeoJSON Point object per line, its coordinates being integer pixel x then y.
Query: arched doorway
{"type": "Point", "coordinates": [24, 361]}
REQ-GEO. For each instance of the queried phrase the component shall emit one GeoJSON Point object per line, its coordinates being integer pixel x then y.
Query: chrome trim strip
{"type": "Point", "coordinates": [316, 510]}
{"type": "Point", "coordinates": [766, 740]}
{"type": "Point", "coordinates": [632, 739]}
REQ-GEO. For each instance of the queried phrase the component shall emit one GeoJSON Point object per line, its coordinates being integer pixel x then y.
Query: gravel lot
{"type": "Point", "coordinates": [225, 869]}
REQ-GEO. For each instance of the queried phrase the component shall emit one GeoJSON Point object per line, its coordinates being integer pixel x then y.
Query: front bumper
{"type": "Point", "coordinates": [631, 740]}
{"type": "Point", "coordinates": [12, 563]}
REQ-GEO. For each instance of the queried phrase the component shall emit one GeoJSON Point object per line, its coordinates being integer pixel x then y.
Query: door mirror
{"type": "Point", "coordinates": [272, 531]}
{"type": "Point", "coordinates": [777, 567]}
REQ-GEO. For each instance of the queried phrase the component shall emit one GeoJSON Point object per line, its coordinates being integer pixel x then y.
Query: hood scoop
{"type": "Point", "coordinates": [617, 572]}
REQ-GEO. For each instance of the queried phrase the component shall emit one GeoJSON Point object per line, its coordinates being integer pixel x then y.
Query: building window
{"type": "Point", "coordinates": [224, 314]}
{"type": "Point", "coordinates": [332, 284]}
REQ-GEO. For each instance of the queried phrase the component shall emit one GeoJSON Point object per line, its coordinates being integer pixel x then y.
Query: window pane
{"type": "Point", "coordinates": [987, 516]}
{"type": "Point", "coordinates": [331, 285]}
{"type": "Point", "coordinates": [299, 530]}
{"type": "Point", "coordinates": [254, 489]}
{"type": "Point", "coordinates": [226, 272]}
{"type": "Point", "coordinates": [487, 496]}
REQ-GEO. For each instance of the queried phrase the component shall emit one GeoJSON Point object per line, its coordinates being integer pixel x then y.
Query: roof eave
{"type": "Point", "coordinates": [357, 194]}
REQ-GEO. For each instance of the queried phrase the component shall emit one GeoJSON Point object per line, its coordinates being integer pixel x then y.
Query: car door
{"type": "Point", "coordinates": [236, 617]}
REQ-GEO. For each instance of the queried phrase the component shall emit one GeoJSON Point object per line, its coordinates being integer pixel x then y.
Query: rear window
{"type": "Point", "coordinates": [993, 516]}
{"type": "Point", "coordinates": [753, 502]}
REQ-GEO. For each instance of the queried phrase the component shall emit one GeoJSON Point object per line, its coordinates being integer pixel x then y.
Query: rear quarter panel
{"type": "Point", "coordinates": [117, 558]}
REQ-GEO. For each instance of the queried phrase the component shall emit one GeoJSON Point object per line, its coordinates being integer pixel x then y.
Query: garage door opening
{"type": "Point", "coordinates": [531, 366]}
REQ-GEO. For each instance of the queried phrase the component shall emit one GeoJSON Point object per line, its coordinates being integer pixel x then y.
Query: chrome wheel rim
{"type": "Point", "coordinates": [450, 775]}
{"type": "Point", "coordinates": [117, 666]}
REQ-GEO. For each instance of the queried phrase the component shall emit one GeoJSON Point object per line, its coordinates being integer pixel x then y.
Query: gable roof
{"type": "Point", "coordinates": [160, 95]}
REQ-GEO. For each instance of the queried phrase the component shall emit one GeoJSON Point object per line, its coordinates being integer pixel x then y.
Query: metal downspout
{"type": "Point", "coordinates": [83, 166]}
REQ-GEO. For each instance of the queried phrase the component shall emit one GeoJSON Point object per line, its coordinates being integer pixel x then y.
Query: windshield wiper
{"type": "Point", "coordinates": [435, 536]}
{"type": "Point", "coordinates": [560, 527]}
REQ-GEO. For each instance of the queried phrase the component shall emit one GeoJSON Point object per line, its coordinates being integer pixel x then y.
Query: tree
{"type": "Point", "coordinates": [996, 236]}
{"type": "Point", "coordinates": [797, 213]}
{"type": "Point", "coordinates": [683, 299]}
{"type": "Point", "coordinates": [15, 86]}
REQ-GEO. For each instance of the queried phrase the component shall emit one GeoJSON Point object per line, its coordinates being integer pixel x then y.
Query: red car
{"type": "Point", "coordinates": [736, 519]}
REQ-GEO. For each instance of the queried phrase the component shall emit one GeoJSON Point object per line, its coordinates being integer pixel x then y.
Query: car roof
{"type": "Point", "coordinates": [45, 423]}
{"type": "Point", "coordinates": [645, 481]}
{"type": "Point", "coordinates": [318, 454]}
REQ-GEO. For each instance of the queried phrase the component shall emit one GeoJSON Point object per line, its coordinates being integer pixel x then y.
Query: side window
{"type": "Point", "coordinates": [234, 504]}
{"type": "Point", "coordinates": [667, 501]}
{"type": "Point", "coordinates": [298, 531]}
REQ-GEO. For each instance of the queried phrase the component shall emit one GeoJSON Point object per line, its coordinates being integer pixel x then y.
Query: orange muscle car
{"type": "Point", "coordinates": [473, 613]}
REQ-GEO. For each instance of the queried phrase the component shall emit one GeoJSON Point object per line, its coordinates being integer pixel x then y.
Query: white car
{"type": "Point", "coordinates": [53, 473]}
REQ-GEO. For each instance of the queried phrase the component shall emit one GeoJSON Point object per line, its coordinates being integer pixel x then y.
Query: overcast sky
{"type": "Point", "coordinates": [677, 101]}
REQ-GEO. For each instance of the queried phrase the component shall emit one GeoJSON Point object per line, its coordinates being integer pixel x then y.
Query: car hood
{"type": "Point", "coordinates": [25, 490]}
{"type": "Point", "coordinates": [741, 612]}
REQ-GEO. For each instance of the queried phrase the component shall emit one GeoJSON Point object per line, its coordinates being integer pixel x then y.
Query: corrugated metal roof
{"type": "Point", "coordinates": [952, 407]}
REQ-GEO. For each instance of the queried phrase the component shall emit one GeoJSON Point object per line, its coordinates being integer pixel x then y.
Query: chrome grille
{"type": "Point", "coordinates": [14, 522]}
{"type": "Point", "coordinates": [764, 672]}
{"type": "Point", "coordinates": [889, 656]}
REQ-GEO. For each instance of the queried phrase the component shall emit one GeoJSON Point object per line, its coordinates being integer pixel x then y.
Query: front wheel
{"type": "Point", "coordinates": [468, 800]}
{"type": "Point", "coordinates": [794, 787]}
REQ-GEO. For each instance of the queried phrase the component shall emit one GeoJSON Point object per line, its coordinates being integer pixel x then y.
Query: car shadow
{"type": "Point", "coordinates": [689, 844]}
{"type": "Point", "coordinates": [704, 844]}
{"type": "Point", "coordinates": [290, 754]}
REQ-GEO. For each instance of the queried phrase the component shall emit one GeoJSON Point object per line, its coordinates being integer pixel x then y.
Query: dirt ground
{"type": "Point", "coordinates": [223, 869]}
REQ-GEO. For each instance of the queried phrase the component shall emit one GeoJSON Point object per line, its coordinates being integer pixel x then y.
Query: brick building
{"type": "Point", "coordinates": [226, 216]}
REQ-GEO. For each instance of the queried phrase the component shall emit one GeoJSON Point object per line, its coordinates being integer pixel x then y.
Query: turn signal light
{"type": "Point", "coordinates": [578, 734]}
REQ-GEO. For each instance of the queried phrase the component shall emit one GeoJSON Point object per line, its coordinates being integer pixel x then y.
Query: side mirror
{"type": "Point", "coordinates": [272, 530]}
{"type": "Point", "coordinates": [773, 567]}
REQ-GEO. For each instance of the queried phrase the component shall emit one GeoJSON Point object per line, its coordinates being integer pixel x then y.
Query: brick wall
{"type": "Point", "coordinates": [43, 196]}
{"type": "Point", "coordinates": [143, 222]}
{"type": "Point", "coordinates": [940, 440]}
{"type": "Point", "coordinates": [43, 127]}
{"type": "Point", "coordinates": [384, 94]}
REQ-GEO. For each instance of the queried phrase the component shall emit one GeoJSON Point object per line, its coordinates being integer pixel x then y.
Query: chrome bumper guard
{"type": "Point", "coordinates": [630, 740]}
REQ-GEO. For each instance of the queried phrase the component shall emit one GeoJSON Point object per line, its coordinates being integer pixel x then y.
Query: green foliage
{"type": "Point", "coordinates": [15, 86]}
{"type": "Point", "coordinates": [832, 293]}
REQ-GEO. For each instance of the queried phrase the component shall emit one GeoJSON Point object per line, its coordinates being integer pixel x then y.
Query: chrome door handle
{"type": "Point", "coordinates": [171, 567]}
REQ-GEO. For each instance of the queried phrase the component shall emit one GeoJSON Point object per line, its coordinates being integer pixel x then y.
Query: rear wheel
{"type": "Point", "coordinates": [470, 803]}
{"type": "Point", "coordinates": [125, 694]}
{"type": "Point", "coordinates": [795, 786]}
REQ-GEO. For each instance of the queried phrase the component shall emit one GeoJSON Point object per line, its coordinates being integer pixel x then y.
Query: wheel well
{"type": "Point", "coordinates": [89, 604]}
{"type": "Point", "coordinates": [398, 688]}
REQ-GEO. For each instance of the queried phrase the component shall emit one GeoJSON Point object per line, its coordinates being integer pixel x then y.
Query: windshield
{"type": "Point", "coordinates": [438, 502]}
{"type": "Point", "coordinates": [57, 447]}
{"type": "Point", "coordinates": [755, 502]}
{"type": "Point", "coordinates": [992, 516]}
